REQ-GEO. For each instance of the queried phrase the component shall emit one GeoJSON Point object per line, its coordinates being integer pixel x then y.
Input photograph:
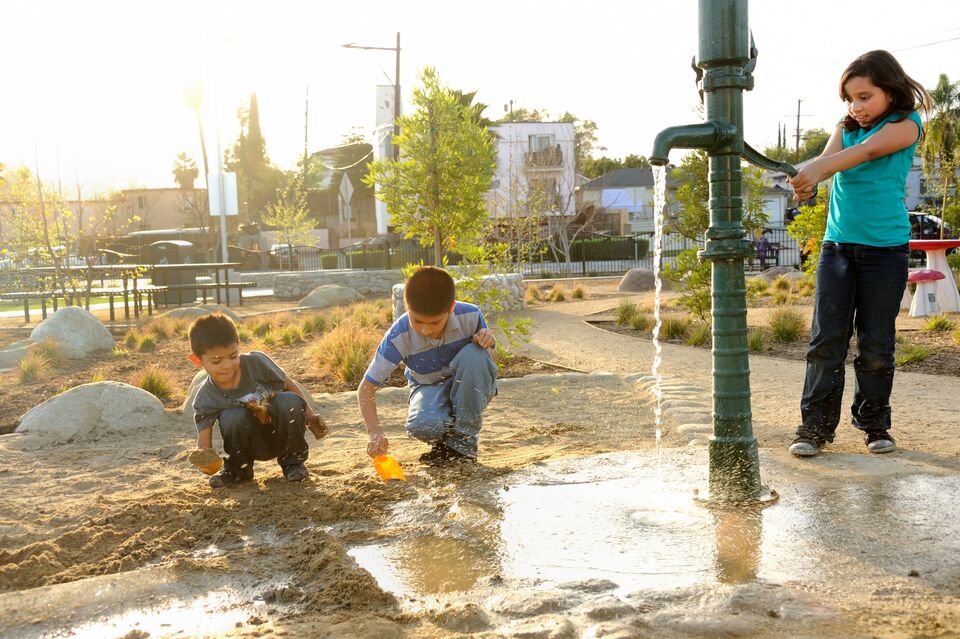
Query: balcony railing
{"type": "Point", "coordinates": [548, 158]}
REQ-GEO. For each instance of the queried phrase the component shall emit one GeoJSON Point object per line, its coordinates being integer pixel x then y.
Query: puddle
{"type": "Point", "coordinates": [631, 520]}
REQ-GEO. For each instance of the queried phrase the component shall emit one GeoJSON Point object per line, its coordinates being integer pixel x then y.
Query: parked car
{"type": "Point", "coordinates": [284, 256]}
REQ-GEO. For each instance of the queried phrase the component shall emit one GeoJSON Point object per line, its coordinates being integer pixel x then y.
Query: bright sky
{"type": "Point", "coordinates": [96, 88]}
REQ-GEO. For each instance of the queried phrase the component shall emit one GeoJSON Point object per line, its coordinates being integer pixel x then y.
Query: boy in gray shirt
{"type": "Point", "coordinates": [261, 411]}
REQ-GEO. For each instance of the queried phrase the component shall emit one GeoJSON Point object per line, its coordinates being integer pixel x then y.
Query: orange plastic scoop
{"type": "Point", "coordinates": [207, 460]}
{"type": "Point", "coordinates": [388, 468]}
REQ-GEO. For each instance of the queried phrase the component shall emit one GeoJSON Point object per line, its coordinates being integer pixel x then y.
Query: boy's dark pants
{"type": "Point", "coordinates": [858, 287]}
{"type": "Point", "coordinates": [450, 412]}
{"type": "Point", "coordinates": [246, 439]}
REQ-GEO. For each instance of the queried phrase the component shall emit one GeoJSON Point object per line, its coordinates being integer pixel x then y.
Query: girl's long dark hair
{"type": "Point", "coordinates": [881, 68]}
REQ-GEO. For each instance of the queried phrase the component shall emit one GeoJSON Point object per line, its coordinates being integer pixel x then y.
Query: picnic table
{"type": "Point", "coordinates": [946, 289]}
{"type": "Point", "coordinates": [130, 286]}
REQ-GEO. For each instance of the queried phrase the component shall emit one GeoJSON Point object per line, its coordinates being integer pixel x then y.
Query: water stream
{"type": "Point", "coordinates": [659, 203]}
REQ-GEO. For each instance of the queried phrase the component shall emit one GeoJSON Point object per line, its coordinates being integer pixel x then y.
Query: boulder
{"type": "Point", "coordinates": [330, 295]}
{"type": "Point", "coordinates": [637, 280]}
{"type": "Point", "coordinates": [11, 355]}
{"type": "Point", "coordinates": [91, 411]}
{"type": "Point", "coordinates": [76, 331]}
{"type": "Point", "coordinates": [193, 312]}
{"type": "Point", "coordinates": [774, 272]}
{"type": "Point", "coordinates": [201, 376]}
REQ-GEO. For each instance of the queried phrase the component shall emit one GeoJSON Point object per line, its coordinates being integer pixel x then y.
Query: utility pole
{"type": "Point", "coordinates": [396, 88]}
{"type": "Point", "coordinates": [796, 147]}
{"type": "Point", "coordinates": [306, 115]}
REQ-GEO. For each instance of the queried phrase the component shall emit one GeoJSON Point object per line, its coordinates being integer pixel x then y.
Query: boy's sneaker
{"type": "Point", "coordinates": [807, 443]}
{"type": "Point", "coordinates": [229, 477]}
{"type": "Point", "coordinates": [296, 472]}
{"type": "Point", "coordinates": [880, 442]}
{"type": "Point", "coordinates": [443, 455]}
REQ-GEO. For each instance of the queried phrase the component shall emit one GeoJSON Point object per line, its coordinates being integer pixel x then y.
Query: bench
{"type": "Point", "coordinates": [771, 257]}
{"type": "Point", "coordinates": [204, 288]}
{"type": "Point", "coordinates": [135, 294]}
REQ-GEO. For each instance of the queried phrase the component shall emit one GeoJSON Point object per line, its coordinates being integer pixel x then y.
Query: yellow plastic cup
{"type": "Point", "coordinates": [388, 468]}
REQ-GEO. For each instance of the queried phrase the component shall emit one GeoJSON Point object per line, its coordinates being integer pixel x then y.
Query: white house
{"type": "Point", "coordinates": [533, 157]}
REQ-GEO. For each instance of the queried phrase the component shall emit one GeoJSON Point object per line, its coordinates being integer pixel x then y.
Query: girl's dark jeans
{"type": "Point", "coordinates": [858, 288]}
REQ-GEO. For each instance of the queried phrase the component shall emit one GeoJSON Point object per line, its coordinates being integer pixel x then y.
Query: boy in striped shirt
{"type": "Point", "coordinates": [448, 353]}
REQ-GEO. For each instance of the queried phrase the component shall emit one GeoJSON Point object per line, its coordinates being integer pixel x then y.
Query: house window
{"type": "Point", "coordinates": [923, 186]}
{"type": "Point", "coordinates": [541, 142]}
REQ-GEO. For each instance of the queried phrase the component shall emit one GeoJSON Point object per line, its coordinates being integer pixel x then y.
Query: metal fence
{"type": "Point", "coordinates": [593, 256]}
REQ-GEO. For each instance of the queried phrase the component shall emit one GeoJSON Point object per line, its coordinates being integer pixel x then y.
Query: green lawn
{"type": "Point", "coordinates": [17, 305]}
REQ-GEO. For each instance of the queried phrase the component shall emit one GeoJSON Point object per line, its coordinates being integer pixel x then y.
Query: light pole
{"type": "Point", "coordinates": [396, 88]}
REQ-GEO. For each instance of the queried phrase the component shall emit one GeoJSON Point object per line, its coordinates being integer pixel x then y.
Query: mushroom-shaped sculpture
{"type": "Point", "coordinates": [925, 299]}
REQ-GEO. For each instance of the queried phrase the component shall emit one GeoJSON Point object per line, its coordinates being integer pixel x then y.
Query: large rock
{"type": "Point", "coordinates": [637, 280]}
{"type": "Point", "coordinates": [11, 355]}
{"type": "Point", "coordinates": [330, 295]}
{"type": "Point", "coordinates": [193, 312]}
{"type": "Point", "coordinates": [76, 331]}
{"type": "Point", "coordinates": [774, 272]}
{"type": "Point", "coordinates": [201, 376]}
{"type": "Point", "coordinates": [91, 411]}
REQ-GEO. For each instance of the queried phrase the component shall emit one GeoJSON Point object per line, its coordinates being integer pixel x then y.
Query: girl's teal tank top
{"type": "Point", "coordinates": [866, 201]}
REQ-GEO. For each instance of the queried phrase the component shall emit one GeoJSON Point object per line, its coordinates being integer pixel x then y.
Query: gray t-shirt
{"type": "Point", "coordinates": [259, 376]}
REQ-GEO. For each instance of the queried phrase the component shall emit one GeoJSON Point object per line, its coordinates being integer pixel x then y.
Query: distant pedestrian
{"type": "Point", "coordinates": [862, 269]}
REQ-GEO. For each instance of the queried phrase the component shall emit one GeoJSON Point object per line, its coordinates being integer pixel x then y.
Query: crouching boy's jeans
{"type": "Point", "coordinates": [246, 439]}
{"type": "Point", "coordinates": [450, 412]}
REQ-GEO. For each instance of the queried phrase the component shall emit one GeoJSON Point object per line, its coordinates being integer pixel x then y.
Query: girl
{"type": "Point", "coordinates": [863, 259]}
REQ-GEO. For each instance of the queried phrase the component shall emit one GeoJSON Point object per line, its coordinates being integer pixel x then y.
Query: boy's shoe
{"type": "Point", "coordinates": [295, 472]}
{"type": "Point", "coordinates": [443, 455]}
{"type": "Point", "coordinates": [880, 442]}
{"type": "Point", "coordinates": [229, 477]}
{"type": "Point", "coordinates": [807, 443]}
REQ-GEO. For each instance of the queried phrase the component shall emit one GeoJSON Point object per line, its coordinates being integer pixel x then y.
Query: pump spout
{"type": "Point", "coordinates": [703, 135]}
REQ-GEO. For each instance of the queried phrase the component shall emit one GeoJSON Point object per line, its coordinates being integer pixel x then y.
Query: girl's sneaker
{"type": "Point", "coordinates": [880, 442]}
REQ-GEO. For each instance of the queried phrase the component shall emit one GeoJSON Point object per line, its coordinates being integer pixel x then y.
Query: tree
{"type": "Point", "coordinates": [257, 179]}
{"type": "Point", "coordinates": [595, 167]}
{"type": "Point", "coordinates": [185, 172]}
{"type": "Point", "coordinates": [939, 148]}
{"type": "Point", "coordinates": [812, 144]}
{"type": "Point", "coordinates": [808, 228]}
{"type": "Point", "coordinates": [288, 214]}
{"type": "Point", "coordinates": [436, 191]}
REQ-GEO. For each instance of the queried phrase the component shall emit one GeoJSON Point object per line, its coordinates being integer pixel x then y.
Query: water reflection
{"type": "Point", "coordinates": [738, 532]}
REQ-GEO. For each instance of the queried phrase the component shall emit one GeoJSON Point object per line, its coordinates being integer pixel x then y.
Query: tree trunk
{"type": "Point", "coordinates": [437, 248]}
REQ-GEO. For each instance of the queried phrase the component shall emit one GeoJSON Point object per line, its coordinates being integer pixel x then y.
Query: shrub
{"type": "Point", "coordinates": [261, 326]}
{"type": "Point", "coordinates": [557, 294]}
{"type": "Point", "coordinates": [368, 314]}
{"type": "Point", "coordinates": [781, 283]}
{"type": "Point", "coordinates": [547, 275]}
{"type": "Point", "coordinates": [756, 339]}
{"type": "Point", "coordinates": [291, 334]}
{"type": "Point", "coordinates": [120, 351]}
{"type": "Point", "coordinates": [531, 294]}
{"type": "Point", "coordinates": [781, 297]}
{"type": "Point", "coordinates": [147, 343]}
{"type": "Point", "coordinates": [161, 328]}
{"type": "Point", "coordinates": [804, 287]}
{"type": "Point", "coordinates": [269, 338]}
{"type": "Point", "coordinates": [757, 285]}
{"type": "Point", "coordinates": [939, 324]}
{"type": "Point", "coordinates": [912, 354]}
{"type": "Point", "coordinates": [787, 325]}
{"type": "Point", "coordinates": [625, 312]}
{"type": "Point", "coordinates": [675, 328]}
{"type": "Point", "coordinates": [96, 377]}
{"type": "Point", "coordinates": [155, 381]}
{"type": "Point", "coordinates": [956, 337]}
{"type": "Point", "coordinates": [699, 334]}
{"type": "Point", "coordinates": [132, 339]}
{"type": "Point", "coordinates": [578, 293]}
{"type": "Point", "coordinates": [641, 322]}
{"type": "Point", "coordinates": [344, 352]}
{"type": "Point", "coordinates": [32, 367]}
{"type": "Point", "coordinates": [48, 350]}
{"type": "Point", "coordinates": [243, 334]}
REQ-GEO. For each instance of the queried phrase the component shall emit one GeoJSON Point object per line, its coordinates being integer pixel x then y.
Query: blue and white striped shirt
{"type": "Point", "coordinates": [427, 360]}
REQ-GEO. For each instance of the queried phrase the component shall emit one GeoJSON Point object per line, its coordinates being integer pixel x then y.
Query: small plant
{"type": "Point", "coordinates": [261, 326]}
{"type": "Point", "coordinates": [578, 293]}
{"type": "Point", "coordinates": [557, 294]}
{"type": "Point", "coordinates": [912, 354]}
{"type": "Point", "coordinates": [291, 334]}
{"type": "Point", "coordinates": [757, 285]}
{"type": "Point", "coordinates": [269, 338]}
{"type": "Point", "coordinates": [344, 352]}
{"type": "Point", "coordinates": [132, 339]}
{"type": "Point", "coordinates": [48, 350]}
{"type": "Point", "coordinates": [625, 312]}
{"type": "Point", "coordinates": [699, 334]}
{"type": "Point", "coordinates": [531, 294]}
{"type": "Point", "coordinates": [368, 314]}
{"type": "Point", "coordinates": [781, 298]}
{"type": "Point", "coordinates": [546, 275]}
{"type": "Point", "coordinates": [33, 367]}
{"type": "Point", "coordinates": [782, 283]}
{"type": "Point", "coordinates": [155, 381]}
{"type": "Point", "coordinates": [787, 325]}
{"type": "Point", "coordinates": [147, 343]}
{"type": "Point", "coordinates": [675, 328]}
{"type": "Point", "coordinates": [96, 378]}
{"type": "Point", "coordinates": [120, 351]}
{"type": "Point", "coordinates": [641, 322]}
{"type": "Point", "coordinates": [939, 324]}
{"type": "Point", "coordinates": [161, 328]}
{"type": "Point", "coordinates": [804, 288]}
{"type": "Point", "coordinates": [243, 334]}
{"type": "Point", "coordinates": [756, 339]}
{"type": "Point", "coordinates": [956, 337]}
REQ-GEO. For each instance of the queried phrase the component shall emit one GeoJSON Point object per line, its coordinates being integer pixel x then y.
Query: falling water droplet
{"type": "Point", "coordinates": [659, 203]}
